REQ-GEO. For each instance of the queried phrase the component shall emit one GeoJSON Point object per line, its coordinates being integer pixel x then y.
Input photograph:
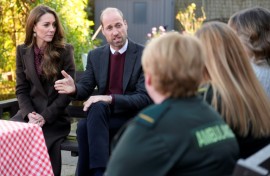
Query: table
{"type": "Point", "coordinates": [23, 150]}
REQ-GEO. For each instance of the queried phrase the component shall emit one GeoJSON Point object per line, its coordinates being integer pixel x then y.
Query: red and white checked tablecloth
{"type": "Point", "coordinates": [23, 151]}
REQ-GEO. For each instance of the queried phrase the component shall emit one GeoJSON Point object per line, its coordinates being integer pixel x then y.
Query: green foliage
{"type": "Point", "coordinates": [77, 27]}
{"type": "Point", "coordinates": [7, 90]}
{"type": "Point", "coordinates": [90, 10]}
{"type": "Point", "coordinates": [189, 23]}
{"type": "Point", "coordinates": [188, 20]}
{"type": "Point", "coordinates": [73, 15]}
{"type": "Point", "coordinates": [13, 15]}
{"type": "Point", "coordinates": [5, 116]}
{"type": "Point", "coordinates": [11, 28]}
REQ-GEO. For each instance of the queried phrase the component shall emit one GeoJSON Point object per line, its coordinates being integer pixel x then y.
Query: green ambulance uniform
{"type": "Point", "coordinates": [184, 137]}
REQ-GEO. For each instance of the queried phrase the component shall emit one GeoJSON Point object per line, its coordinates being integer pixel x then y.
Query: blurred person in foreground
{"type": "Point", "coordinates": [234, 89]}
{"type": "Point", "coordinates": [253, 27]}
{"type": "Point", "coordinates": [116, 70]}
{"type": "Point", "coordinates": [181, 134]}
{"type": "Point", "coordinates": [39, 62]}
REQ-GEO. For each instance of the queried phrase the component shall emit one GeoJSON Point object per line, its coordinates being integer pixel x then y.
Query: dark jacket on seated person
{"type": "Point", "coordinates": [184, 137]}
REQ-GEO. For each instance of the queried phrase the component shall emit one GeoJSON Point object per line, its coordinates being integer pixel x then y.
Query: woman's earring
{"type": "Point", "coordinates": [35, 34]}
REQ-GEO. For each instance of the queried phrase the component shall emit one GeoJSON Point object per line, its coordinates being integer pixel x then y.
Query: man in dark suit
{"type": "Point", "coordinates": [115, 69]}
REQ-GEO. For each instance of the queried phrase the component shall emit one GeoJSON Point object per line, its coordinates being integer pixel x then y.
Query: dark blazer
{"type": "Point", "coordinates": [40, 96]}
{"type": "Point", "coordinates": [134, 95]}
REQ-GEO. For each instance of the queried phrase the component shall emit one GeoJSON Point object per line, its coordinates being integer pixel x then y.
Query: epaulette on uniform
{"type": "Point", "coordinates": [152, 114]}
{"type": "Point", "coordinates": [202, 90]}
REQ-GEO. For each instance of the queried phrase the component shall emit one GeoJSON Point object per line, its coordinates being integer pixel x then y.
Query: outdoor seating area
{"type": "Point", "coordinates": [135, 88]}
{"type": "Point", "coordinates": [256, 165]}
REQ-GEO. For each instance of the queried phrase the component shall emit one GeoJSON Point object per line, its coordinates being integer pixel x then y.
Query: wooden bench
{"type": "Point", "coordinates": [11, 106]}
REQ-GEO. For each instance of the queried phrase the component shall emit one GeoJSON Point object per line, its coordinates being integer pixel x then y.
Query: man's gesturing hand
{"type": "Point", "coordinates": [65, 85]}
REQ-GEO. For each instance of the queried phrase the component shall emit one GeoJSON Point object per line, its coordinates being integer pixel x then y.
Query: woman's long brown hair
{"type": "Point", "coordinates": [244, 103]}
{"type": "Point", "coordinates": [54, 48]}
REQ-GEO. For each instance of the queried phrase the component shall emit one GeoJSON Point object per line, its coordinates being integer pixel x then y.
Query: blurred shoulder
{"type": "Point", "coordinates": [22, 47]}
{"type": "Point", "coordinates": [152, 114]}
{"type": "Point", "coordinates": [99, 50]}
{"type": "Point", "coordinates": [134, 45]}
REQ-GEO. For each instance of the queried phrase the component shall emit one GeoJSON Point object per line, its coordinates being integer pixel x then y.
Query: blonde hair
{"type": "Point", "coordinates": [175, 62]}
{"type": "Point", "coordinates": [243, 102]}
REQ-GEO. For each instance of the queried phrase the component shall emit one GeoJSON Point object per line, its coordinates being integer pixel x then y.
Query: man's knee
{"type": "Point", "coordinates": [99, 113]}
{"type": "Point", "coordinates": [99, 109]}
{"type": "Point", "coordinates": [100, 106]}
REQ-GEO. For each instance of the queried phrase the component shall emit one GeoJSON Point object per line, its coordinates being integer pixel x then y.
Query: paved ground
{"type": "Point", "coordinates": [68, 164]}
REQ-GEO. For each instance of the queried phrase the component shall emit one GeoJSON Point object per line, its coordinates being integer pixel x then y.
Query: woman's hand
{"type": "Point", "coordinates": [36, 118]}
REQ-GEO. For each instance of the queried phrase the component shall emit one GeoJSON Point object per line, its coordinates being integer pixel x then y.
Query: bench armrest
{"type": "Point", "coordinates": [10, 105]}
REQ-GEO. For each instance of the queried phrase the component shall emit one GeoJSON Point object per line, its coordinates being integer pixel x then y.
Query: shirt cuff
{"type": "Point", "coordinates": [113, 98]}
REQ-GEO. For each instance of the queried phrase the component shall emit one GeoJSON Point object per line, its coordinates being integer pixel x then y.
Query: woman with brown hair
{"type": "Point", "coordinates": [38, 64]}
{"type": "Point", "coordinates": [253, 27]}
{"type": "Point", "coordinates": [234, 90]}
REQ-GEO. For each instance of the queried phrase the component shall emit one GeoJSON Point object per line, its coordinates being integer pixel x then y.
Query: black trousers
{"type": "Point", "coordinates": [94, 135]}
